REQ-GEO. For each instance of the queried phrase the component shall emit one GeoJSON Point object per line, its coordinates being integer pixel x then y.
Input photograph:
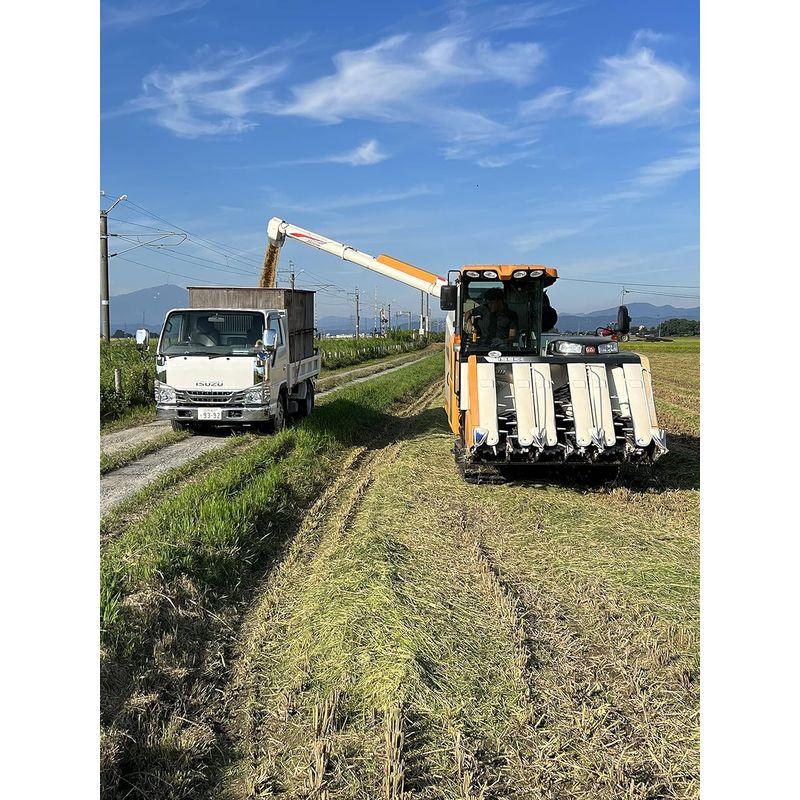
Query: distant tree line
{"type": "Point", "coordinates": [676, 327]}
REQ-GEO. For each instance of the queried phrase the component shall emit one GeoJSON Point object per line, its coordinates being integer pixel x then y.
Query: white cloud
{"type": "Point", "coordinates": [535, 240]}
{"type": "Point", "coordinates": [635, 87]}
{"type": "Point", "coordinates": [547, 102]}
{"type": "Point", "coordinates": [515, 63]}
{"type": "Point", "coordinates": [353, 200]}
{"type": "Point", "coordinates": [365, 154]}
{"type": "Point", "coordinates": [130, 14]}
{"type": "Point", "coordinates": [218, 96]}
{"type": "Point", "coordinates": [396, 79]}
{"type": "Point", "coordinates": [503, 159]}
{"type": "Point", "coordinates": [658, 175]}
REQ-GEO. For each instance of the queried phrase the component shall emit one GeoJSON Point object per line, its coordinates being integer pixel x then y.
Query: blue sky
{"type": "Point", "coordinates": [467, 132]}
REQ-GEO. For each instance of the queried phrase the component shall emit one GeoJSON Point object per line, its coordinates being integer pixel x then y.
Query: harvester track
{"type": "Point", "coordinates": [261, 711]}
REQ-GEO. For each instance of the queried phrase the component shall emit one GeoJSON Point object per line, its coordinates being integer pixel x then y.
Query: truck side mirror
{"type": "Point", "coordinates": [270, 340]}
{"type": "Point", "coordinates": [143, 339]}
{"type": "Point", "coordinates": [623, 320]}
{"type": "Point", "coordinates": [448, 297]}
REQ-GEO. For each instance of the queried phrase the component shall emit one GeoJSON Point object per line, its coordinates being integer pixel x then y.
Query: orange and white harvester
{"type": "Point", "coordinates": [516, 394]}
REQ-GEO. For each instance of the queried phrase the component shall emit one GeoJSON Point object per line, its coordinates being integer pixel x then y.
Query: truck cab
{"type": "Point", "coordinates": [232, 367]}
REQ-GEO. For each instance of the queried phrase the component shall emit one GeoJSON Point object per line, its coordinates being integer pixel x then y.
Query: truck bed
{"type": "Point", "coordinates": [305, 368]}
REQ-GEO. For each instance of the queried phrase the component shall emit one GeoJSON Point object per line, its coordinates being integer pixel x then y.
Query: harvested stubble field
{"type": "Point", "coordinates": [412, 636]}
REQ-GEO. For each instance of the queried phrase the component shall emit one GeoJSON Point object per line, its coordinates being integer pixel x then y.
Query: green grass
{"type": "Point", "coordinates": [688, 344]}
{"type": "Point", "coordinates": [138, 374]}
{"type": "Point", "coordinates": [215, 530]}
{"type": "Point", "coordinates": [338, 353]}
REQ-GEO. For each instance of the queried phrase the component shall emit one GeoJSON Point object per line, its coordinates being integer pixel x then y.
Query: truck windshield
{"type": "Point", "coordinates": [502, 315]}
{"type": "Point", "coordinates": [224, 333]}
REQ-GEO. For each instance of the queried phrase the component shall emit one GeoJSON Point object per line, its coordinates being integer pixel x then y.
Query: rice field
{"type": "Point", "coordinates": [337, 353]}
{"type": "Point", "coordinates": [333, 614]}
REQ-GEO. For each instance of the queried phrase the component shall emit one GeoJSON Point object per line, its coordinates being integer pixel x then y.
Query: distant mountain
{"type": "Point", "coordinates": [146, 307]}
{"type": "Point", "coordinates": [641, 314]}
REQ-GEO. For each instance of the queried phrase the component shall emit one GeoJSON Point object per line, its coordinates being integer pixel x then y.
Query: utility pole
{"type": "Point", "coordinates": [105, 316]}
{"type": "Point", "coordinates": [389, 315]}
{"type": "Point", "coordinates": [427, 313]}
{"type": "Point", "coordinates": [105, 313]}
{"type": "Point", "coordinates": [358, 316]}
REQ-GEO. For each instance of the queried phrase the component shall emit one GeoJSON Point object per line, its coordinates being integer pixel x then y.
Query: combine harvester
{"type": "Point", "coordinates": [516, 396]}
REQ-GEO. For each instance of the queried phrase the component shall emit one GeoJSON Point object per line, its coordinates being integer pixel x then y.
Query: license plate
{"type": "Point", "coordinates": [209, 413]}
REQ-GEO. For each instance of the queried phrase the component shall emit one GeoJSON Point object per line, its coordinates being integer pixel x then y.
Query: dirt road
{"type": "Point", "coordinates": [122, 483]}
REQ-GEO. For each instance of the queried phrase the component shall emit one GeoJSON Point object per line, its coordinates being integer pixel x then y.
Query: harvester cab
{"type": "Point", "coordinates": [516, 392]}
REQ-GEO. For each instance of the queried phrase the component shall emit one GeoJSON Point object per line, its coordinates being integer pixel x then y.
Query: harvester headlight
{"type": "Point", "coordinates": [164, 393]}
{"type": "Point", "coordinates": [489, 273]}
{"type": "Point", "coordinates": [536, 273]}
{"type": "Point", "coordinates": [254, 395]}
{"type": "Point", "coordinates": [519, 273]}
{"type": "Point", "coordinates": [471, 273]}
{"type": "Point", "coordinates": [568, 348]}
{"type": "Point", "coordinates": [608, 347]}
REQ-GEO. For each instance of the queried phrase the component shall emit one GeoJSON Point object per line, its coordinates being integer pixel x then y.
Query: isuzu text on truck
{"type": "Point", "coordinates": [237, 357]}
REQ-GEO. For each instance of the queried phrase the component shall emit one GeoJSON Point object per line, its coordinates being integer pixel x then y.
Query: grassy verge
{"type": "Point", "coordinates": [329, 379]}
{"type": "Point", "coordinates": [130, 418]}
{"type": "Point", "coordinates": [120, 458]}
{"type": "Point", "coordinates": [167, 576]}
{"type": "Point", "coordinates": [137, 373]}
{"type": "Point", "coordinates": [139, 505]}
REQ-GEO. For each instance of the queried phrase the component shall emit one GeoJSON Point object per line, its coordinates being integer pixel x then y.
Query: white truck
{"type": "Point", "coordinates": [237, 357]}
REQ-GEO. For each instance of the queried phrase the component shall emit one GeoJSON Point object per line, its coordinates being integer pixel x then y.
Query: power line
{"type": "Point", "coordinates": [188, 258]}
{"type": "Point", "coordinates": [210, 244]}
{"type": "Point", "coordinates": [628, 283]}
{"type": "Point", "coordinates": [167, 272]}
{"type": "Point", "coordinates": [664, 294]}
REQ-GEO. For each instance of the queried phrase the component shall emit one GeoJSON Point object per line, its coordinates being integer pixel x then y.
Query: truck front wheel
{"type": "Point", "coordinates": [279, 420]}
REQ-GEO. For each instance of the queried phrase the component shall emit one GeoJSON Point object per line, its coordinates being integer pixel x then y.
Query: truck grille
{"type": "Point", "coordinates": [203, 397]}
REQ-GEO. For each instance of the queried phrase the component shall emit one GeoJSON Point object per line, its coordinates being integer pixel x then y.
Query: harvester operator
{"type": "Point", "coordinates": [493, 323]}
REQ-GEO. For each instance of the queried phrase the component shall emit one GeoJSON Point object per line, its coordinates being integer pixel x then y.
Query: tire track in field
{"type": "Point", "coordinates": [608, 716]}
{"type": "Point", "coordinates": [120, 484]}
{"type": "Point", "coordinates": [283, 716]}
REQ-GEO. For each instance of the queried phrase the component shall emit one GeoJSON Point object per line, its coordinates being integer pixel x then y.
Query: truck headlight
{"type": "Point", "coordinates": [608, 347]}
{"type": "Point", "coordinates": [164, 393]}
{"type": "Point", "coordinates": [568, 348]}
{"type": "Point", "coordinates": [254, 395]}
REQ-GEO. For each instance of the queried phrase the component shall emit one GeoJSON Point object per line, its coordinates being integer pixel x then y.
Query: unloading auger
{"type": "Point", "coordinates": [516, 394]}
